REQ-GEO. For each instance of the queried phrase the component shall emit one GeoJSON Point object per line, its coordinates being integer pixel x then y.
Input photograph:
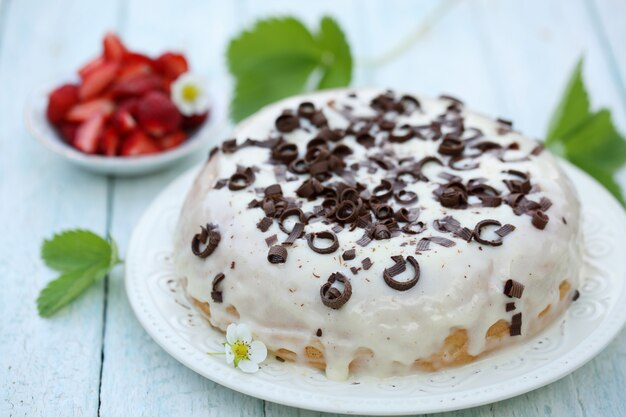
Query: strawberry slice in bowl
{"type": "Point", "coordinates": [119, 114]}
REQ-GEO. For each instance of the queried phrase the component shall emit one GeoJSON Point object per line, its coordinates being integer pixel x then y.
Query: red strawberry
{"type": "Point", "coordinates": [157, 114]}
{"type": "Point", "coordinates": [60, 101]}
{"type": "Point", "coordinates": [114, 49]}
{"type": "Point", "coordinates": [68, 131]}
{"type": "Point", "coordinates": [88, 133]}
{"type": "Point", "coordinates": [194, 121]}
{"type": "Point", "coordinates": [172, 140]}
{"type": "Point", "coordinates": [124, 121]}
{"type": "Point", "coordinates": [138, 143]}
{"type": "Point", "coordinates": [110, 142]}
{"type": "Point", "coordinates": [137, 85]}
{"type": "Point", "coordinates": [171, 65]}
{"type": "Point", "coordinates": [98, 80]}
{"type": "Point", "coordinates": [130, 104]}
{"type": "Point", "coordinates": [88, 109]}
{"type": "Point", "coordinates": [90, 67]}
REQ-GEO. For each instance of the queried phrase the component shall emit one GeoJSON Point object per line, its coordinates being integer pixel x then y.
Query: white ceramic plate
{"type": "Point", "coordinates": [587, 327]}
{"type": "Point", "coordinates": [45, 133]}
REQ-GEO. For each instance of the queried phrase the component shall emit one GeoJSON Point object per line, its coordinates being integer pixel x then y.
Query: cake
{"type": "Point", "coordinates": [373, 232]}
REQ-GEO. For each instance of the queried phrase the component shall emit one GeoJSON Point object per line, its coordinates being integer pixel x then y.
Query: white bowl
{"type": "Point", "coordinates": [39, 126]}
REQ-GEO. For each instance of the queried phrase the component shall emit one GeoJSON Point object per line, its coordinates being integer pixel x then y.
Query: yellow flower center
{"type": "Point", "coordinates": [240, 349]}
{"type": "Point", "coordinates": [190, 92]}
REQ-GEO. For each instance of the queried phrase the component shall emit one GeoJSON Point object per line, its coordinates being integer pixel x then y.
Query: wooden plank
{"type": "Point", "coordinates": [137, 373]}
{"type": "Point", "coordinates": [47, 367]}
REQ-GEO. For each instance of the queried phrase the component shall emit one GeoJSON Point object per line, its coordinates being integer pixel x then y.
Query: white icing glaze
{"type": "Point", "coordinates": [460, 287]}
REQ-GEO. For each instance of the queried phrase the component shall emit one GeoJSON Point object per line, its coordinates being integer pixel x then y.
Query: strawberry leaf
{"type": "Point", "coordinates": [587, 139]}
{"type": "Point", "coordinates": [278, 58]}
{"type": "Point", "coordinates": [83, 258]}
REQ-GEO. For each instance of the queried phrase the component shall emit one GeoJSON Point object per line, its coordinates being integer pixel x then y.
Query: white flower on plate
{"type": "Point", "coordinates": [189, 94]}
{"type": "Point", "coordinates": [241, 351]}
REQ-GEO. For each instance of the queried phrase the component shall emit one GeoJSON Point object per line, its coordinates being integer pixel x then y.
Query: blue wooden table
{"type": "Point", "coordinates": [507, 58]}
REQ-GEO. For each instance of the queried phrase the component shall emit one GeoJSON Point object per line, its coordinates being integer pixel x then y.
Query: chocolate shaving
{"type": "Point", "coordinates": [537, 150]}
{"type": "Point", "coordinates": [414, 228]}
{"type": "Point", "coordinates": [366, 140]}
{"type": "Point", "coordinates": [576, 295]}
{"type": "Point", "coordinates": [509, 307]}
{"type": "Point", "coordinates": [208, 235]}
{"type": "Point", "coordinates": [406, 197]}
{"type": "Point", "coordinates": [505, 230]}
{"type": "Point", "coordinates": [328, 235]}
{"type": "Point", "coordinates": [478, 228]}
{"type": "Point", "coordinates": [451, 146]}
{"type": "Point", "coordinates": [367, 263]}
{"type": "Point", "coordinates": [287, 123]}
{"type": "Point", "coordinates": [545, 203]}
{"type": "Point", "coordinates": [277, 254]}
{"type": "Point", "coordinates": [333, 298]}
{"type": "Point", "coordinates": [540, 219]}
{"type": "Point", "coordinates": [337, 228]}
{"type": "Point", "coordinates": [516, 325]}
{"type": "Point", "coordinates": [464, 233]}
{"type": "Point", "coordinates": [239, 181]}
{"type": "Point", "coordinates": [318, 333]}
{"type": "Point", "coordinates": [296, 232]}
{"type": "Point", "coordinates": [215, 294]}
{"type": "Point", "coordinates": [219, 184]}
{"type": "Point", "coordinates": [286, 152]}
{"type": "Point", "coordinates": [354, 270]}
{"type": "Point", "coordinates": [294, 211]}
{"type": "Point", "coordinates": [349, 255]}
{"type": "Point", "coordinates": [264, 224]}
{"type": "Point", "coordinates": [364, 240]}
{"type": "Point", "coordinates": [270, 240]}
{"type": "Point", "coordinates": [513, 289]}
{"type": "Point", "coordinates": [398, 268]}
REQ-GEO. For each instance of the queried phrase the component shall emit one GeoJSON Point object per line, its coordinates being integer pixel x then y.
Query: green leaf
{"type": "Point", "coordinates": [74, 249]}
{"type": "Point", "coordinates": [66, 288]}
{"type": "Point", "coordinates": [277, 58]}
{"type": "Point", "coordinates": [573, 108]}
{"type": "Point", "coordinates": [336, 57]}
{"type": "Point", "coordinates": [587, 139]}
{"type": "Point", "coordinates": [83, 258]}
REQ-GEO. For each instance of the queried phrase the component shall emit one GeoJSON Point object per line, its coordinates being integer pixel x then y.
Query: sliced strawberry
{"type": "Point", "coordinates": [192, 122]}
{"type": "Point", "coordinates": [68, 131]}
{"type": "Point", "coordinates": [90, 67]}
{"type": "Point", "coordinates": [130, 104]}
{"type": "Point", "coordinates": [88, 133]}
{"type": "Point", "coordinates": [114, 49]}
{"type": "Point", "coordinates": [60, 101]}
{"type": "Point", "coordinates": [133, 69]}
{"type": "Point", "coordinates": [171, 65]}
{"type": "Point", "coordinates": [172, 140]}
{"type": "Point", "coordinates": [110, 142]}
{"type": "Point", "coordinates": [138, 143]}
{"type": "Point", "coordinates": [157, 114]}
{"type": "Point", "coordinates": [137, 85]}
{"type": "Point", "coordinates": [124, 121]}
{"type": "Point", "coordinates": [98, 80]}
{"type": "Point", "coordinates": [84, 111]}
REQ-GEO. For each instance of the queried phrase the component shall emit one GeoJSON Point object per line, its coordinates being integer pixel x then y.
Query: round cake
{"type": "Point", "coordinates": [380, 233]}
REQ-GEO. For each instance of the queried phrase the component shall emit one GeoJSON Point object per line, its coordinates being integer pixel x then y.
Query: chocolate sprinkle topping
{"type": "Point", "coordinates": [398, 268]}
{"type": "Point", "coordinates": [332, 297]}
{"type": "Point", "coordinates": [264, 224]}
{"type": "Point", "coordinates": [478, 229]}
{"type": "Point", "coordinates": [516, 325]}
{"type": "Point", "coordinates": [540, 219]}
{"type": "Point", "coordinates": [505, 230]}
{"type": "Point", "coordinates": [215, 294]}
{"type": "Point", "coordinates": [349, 255]}
{"type": "Point", "coordinates": [270, 240]}
{"type": "Point", "coordinates": [277, 254]}
{"type": "Point", "coordinates": [296, 232]}
{"type": "Point", "coordinates": [513, 288]}
{"type": "Point", "coordinates": [208, 235]}
{"type": "Point", "coordinates": [367, 263]}
{"type": "Point", "coordinates": [328, 235]}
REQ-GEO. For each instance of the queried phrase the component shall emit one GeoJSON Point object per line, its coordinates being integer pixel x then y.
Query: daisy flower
{"type": "Point", "coordinates": [241, 351]}
{"type": "Point", "coordinates": [189, 94]}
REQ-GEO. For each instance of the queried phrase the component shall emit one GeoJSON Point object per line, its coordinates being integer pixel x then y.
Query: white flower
{"type": "Point", "coordinates": [189, 94]}
{"type": "Point", "coordinates": [241, 351]}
